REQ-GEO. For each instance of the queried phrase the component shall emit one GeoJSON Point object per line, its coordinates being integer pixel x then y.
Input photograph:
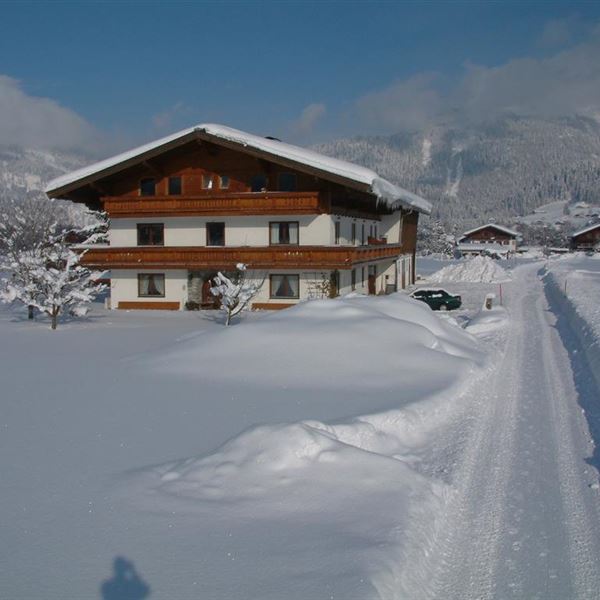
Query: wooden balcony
{"type": "Point", "coordinates": [225, 258]}
{"type": "Point", "coordinates": [217, 204]}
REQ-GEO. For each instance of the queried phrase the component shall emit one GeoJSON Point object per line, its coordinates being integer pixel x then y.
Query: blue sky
{"type": "Point", "coordinates": [124, 72]}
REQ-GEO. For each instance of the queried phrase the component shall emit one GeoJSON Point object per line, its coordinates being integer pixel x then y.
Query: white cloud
{"type": "Point", "coordinates": [409, 104]}
{"type": "Point", "coordinates": [30, 121]}
{"type": "Point", "coordinates": [308, 119]}
{"type": "Point", "coordinates": [566, 83]}
{"type": "Point", "coordinates": [164, 120]}
{"type": "Point", "coordinates": [557, 32]}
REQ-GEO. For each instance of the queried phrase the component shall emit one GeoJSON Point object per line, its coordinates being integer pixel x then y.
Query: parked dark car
{"type": "Point", "coordinates": [438, 298]}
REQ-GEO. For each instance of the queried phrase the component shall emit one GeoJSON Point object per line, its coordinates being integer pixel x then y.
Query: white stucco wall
{"type": "Point", "coordinates": [315, 230]}
{"type": "Point", "coordinates": [124, 286]}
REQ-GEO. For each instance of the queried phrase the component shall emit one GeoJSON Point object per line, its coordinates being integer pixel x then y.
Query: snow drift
{"type": "Point", "coordinates": [480, 269]}
{"type": "Point", "coordinates": [347, 492]}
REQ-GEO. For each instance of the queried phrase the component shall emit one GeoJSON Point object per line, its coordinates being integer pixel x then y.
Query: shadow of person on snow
{"type": "Point", "coordinates": [125, 584]}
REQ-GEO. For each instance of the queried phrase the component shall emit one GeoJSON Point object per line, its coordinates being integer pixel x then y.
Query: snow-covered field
{"type": "Point", "coordinates": [358, 448]}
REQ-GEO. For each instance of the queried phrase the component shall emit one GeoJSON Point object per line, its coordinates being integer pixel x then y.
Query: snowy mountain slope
{"type": "Point", "coordinates": [25, 172]}
{"type": "Point", "coordinates": [493, 171]}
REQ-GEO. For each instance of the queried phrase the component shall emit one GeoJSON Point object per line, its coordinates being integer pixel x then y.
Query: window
{"type": "Point", "coordinates": [151, 285]}
{"type": "Point", "coordinates": [174, 186]}
{"type": "Point", "coordinates": [207, 182]}
{"type": "Point", "coordinates": [148, 186]}
{"type": "Point", "coordinates": [224, 182]}
{"type": "Point", "coordinates": [362, 276]}
{"type": "Point", "coordinates": [259, 183]}
{"type": "Point", "coordinates": [286, 182]}
{"type": "Point", "coordinates": [150, 234]}
{"type": "Point", "coordinates": [362, 234]}
{"type": "Point", "coordinates": [353, 233]}
{"type": "Point", "coordinates": [337, 227]}
{"type": "Point", "coordinates": [353, 280]}
{"type": "Point", "coordinates": [285, 286]}
{"type": "Point", "coordinates": [284, 232]}
{"type": "Point", "coordinates": [215, 234]}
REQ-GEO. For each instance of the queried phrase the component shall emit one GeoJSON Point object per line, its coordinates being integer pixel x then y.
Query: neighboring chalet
{"type": "Point", "coordinates": [587, 238]}
{"type": "Point", "coordinates": [488, 239]}
{"type": "Point", "coordinates": [208, 197]}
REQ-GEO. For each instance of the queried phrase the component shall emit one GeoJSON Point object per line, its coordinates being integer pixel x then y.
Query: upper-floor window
{"type": "Point", "coordinates": [286, 182]}
{"type": "Point", "coordinates": [150, 234]}
{"type": "Point", "coordinates": [215, 234]}
{"type": "Point", "coordinates": [175, 186]}
{"type": "Point", "coordinates": [337, 229]}
{"type": "Point", "coordinates": [259, 183]}
{"type": "Point", "coordinates": [353, 233]}
{"type": "Point", "coordinates": [284, 232]}
{"type": "Point", "coordinates": [207, 182]}
{"type": "Point", "coordinates": [148, 186]}
{"type": "Point", "coordinates": [224, 182]}
{"type": "Point", "coordinates": [151, 285]}
{"type": "Point", "coordinates": [362, 235]}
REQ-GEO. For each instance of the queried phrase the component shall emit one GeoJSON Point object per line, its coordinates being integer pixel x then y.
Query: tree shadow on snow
{"type": "Point", "coordinates": [585, 382]}
{"type": "Point", "coordinates": [125, 583]}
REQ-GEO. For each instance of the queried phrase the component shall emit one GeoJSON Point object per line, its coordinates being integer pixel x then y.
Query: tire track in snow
{"type": "Point", "coordinates": [580, 506]}
{"type": "Point", "coordinates": [521, 522]}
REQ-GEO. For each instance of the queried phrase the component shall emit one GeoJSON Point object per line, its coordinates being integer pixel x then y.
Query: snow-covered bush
{"type": "Point", "coordinates": [234, 294]}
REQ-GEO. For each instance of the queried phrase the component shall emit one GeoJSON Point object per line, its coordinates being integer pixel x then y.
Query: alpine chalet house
{"type": "Point", "coordinates": [209, 197]}
{"type": "Point", "coordinates": [587, 239]}
{"type": "Point", "coordinates": [488, 239]}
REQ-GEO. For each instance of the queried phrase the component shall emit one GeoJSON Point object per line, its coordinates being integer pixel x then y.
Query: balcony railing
{"type": "Point", "coordinates": [221, 204]}
{"type": "Point", "coordinates": [268, 257]}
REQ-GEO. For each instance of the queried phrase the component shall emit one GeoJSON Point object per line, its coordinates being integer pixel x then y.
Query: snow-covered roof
{"type": "Point", "coordinates": [498, 248]}
{"type": "Point", "coordinates": [384, 190]}
{"type": "Point", "coordinates": [586, 229]}
{"type": "Point", "coordinates": [498, 227]}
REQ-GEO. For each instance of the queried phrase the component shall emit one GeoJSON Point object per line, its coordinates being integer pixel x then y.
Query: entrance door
{"type": "Point", "coordinates": [208, 300]}
{"type": "Point", "coordinates": [372, 280]}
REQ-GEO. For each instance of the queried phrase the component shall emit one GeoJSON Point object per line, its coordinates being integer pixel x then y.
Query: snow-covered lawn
{"type": "Point", "coordinates": [277, 457]}
{"type": "Point", "coordinates": [359, 448]}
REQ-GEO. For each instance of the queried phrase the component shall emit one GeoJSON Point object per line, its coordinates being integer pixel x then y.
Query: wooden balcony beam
{"type": "Point", "coordinates": [203, 257]}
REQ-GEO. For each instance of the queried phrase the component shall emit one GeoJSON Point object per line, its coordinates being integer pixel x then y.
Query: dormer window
{"type": "Point", "coordinates": [259, 183]}
{"type": "Point", "coordinates": [286, 182]}
{"type": "Point", "coordinates": [224, 182]}
{"type": "Point", "coordinates": [174, 186]}
{"type": "Point", "coordinates": [148, 186]}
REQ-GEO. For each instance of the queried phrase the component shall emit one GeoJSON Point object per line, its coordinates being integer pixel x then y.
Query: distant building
{"type": "Point", "coordinates": [488, 239]}
{"type": "Point", "coordinates": [209, 197]}
{"type": "Point", "coordinates": [587, 238]}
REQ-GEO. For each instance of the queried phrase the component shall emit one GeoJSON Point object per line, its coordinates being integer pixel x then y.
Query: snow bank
{"type": "Point", "coordinates": [346, 492]}
{"type": "Point", "coordinates": [355, 343]}
{"type": "Point", "coordinates": [576, 292]}
{"type": "Point", "coordinates": [480, 269]}
{"type": "Point", "coordinates": [487, 321]}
